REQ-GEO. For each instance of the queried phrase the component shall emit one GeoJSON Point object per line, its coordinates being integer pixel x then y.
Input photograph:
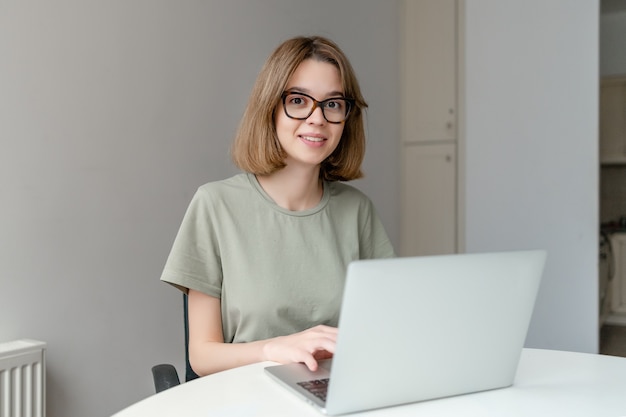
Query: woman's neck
{"type": "Point", "coordinates": [293, 189]}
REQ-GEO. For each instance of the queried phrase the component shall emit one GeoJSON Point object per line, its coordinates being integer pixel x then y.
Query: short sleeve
{"type": "Point", "coordinates": [194, 261]}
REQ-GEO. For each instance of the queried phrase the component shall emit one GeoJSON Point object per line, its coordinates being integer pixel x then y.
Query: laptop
{"type": "Point", "coordinates": [421, 328]}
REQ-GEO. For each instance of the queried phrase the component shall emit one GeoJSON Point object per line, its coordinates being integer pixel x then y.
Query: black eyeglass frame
{"type": "Point", "coordinates": [321, 104]}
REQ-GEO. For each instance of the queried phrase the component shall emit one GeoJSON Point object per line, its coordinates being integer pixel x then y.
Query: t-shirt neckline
{"type": "Point", "coordinates": [301, 213]}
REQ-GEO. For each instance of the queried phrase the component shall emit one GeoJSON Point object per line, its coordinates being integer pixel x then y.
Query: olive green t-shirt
{"type": "Point", "coordinates": [276, 271]}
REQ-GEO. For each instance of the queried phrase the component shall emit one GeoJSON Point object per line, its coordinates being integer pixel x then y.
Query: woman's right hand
{"type": "Point", "coordinates": [306, 347]}
{"type": "Point", "coordinates": [209, 354]}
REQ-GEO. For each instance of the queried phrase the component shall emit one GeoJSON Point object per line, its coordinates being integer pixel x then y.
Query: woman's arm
{"type": "Point", "coordinates": [209, 354]}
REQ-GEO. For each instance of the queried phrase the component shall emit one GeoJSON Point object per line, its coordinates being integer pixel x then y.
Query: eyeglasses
{"type": "Point", "coordinates": [300, 106]}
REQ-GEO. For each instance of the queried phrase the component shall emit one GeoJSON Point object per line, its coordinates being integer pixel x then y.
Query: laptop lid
{"type": "Point", "coordinates": [420, 328]}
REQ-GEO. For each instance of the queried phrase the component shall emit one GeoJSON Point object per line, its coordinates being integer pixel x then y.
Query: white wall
{"type": "Point", "coordinates": [531, 169]}
{"type": "Point", "coordinates": [111, 114]}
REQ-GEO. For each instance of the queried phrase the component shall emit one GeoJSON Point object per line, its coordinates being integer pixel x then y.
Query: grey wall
{"type": "Point", "coordinates": [531, 160]}
{"type": "Point", "coordinates": [111, 114]}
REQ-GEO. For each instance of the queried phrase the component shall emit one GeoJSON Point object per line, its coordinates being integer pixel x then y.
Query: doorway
{"type": "Point", "coordinates": [612, 221]}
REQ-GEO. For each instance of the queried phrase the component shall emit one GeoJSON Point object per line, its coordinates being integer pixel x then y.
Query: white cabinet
{"type": "Point", "coordinates": [429, 68]}
{"type": "Point", "coordinates": [429, 127]}
{"type": "Point", "coordinates": [429, 200]}
{"type": "Point", "coordinates": [613, 120]}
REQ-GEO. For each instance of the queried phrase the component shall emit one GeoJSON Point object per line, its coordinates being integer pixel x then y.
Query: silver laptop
{"type": "Point", "coordinates": [420, 328]}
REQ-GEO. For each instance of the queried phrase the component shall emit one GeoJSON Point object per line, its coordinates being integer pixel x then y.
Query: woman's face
{"type": "Point", "coordinates": [310, 141]}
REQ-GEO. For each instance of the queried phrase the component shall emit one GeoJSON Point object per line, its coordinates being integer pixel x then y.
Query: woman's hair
{"type": "Point", "coordinates": [256, 148]}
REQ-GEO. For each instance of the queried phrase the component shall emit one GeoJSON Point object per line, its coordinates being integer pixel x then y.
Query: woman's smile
{"type": "Point", "coordinates": [313, 139]}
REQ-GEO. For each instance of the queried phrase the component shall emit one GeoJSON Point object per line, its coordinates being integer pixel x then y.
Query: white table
{"type": "Point", "coordinates": [548, 383]}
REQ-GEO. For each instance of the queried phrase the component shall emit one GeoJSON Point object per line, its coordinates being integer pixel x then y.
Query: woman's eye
{"type": "Point", "coordinates": [297, 101]}
{"type": "Point", "coordinates": [335, 105]}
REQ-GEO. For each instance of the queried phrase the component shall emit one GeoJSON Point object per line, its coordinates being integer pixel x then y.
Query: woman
{"type": "Point", "coordinates": [263, 255]}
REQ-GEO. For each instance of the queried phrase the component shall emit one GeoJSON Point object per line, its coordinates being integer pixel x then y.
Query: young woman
{"type": "Point", "coordinates": [263, 254]}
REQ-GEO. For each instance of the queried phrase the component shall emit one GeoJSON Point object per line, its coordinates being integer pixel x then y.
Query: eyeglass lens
{"type": "Point", "coordinates": [301, 106]}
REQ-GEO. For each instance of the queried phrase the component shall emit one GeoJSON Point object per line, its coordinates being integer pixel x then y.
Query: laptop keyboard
{"type": "Point", "coordinates": [317, 387]}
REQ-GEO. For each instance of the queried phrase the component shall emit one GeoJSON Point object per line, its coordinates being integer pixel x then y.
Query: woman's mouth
{"type": "Point", "coordinates": [312, 138]}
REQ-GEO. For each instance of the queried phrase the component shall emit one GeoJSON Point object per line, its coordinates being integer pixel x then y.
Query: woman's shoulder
{"type": "Point", "coordinates": [347, 191]}
{"type": "Point", "coordinates": [223, 192]}
{"type": "Point", "coordinates": [349, 197]}
{"type": "Point", "coordinates": [227, 185]}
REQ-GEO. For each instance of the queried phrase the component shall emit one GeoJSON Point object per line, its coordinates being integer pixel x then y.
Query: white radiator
{"type": "Point", "coordinates": [22, 379]}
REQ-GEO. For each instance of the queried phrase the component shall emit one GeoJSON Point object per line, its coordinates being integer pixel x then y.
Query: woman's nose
{"type": "Point", "coordinates": [317, 116]}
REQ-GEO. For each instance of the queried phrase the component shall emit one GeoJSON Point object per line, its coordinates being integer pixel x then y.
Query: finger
{"type": "Point", "coordinates": [325, 343]}
{"type": "Point", "coordinates": [311, 363]}
{"type": "Point", "coordinates": [321, 335]}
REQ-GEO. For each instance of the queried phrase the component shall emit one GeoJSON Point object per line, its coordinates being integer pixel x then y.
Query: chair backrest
{"type": "Point", "coordinates": [189, 373]}
{"type": "Point", "coordinates": [165, 375]}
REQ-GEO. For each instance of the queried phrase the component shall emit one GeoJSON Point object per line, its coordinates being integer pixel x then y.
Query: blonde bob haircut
{"type": "Point", "coordinates": [256, 148]}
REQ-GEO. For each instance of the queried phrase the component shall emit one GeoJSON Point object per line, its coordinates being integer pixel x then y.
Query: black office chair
{"type": "Point", "coordinates": [165, 375]}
